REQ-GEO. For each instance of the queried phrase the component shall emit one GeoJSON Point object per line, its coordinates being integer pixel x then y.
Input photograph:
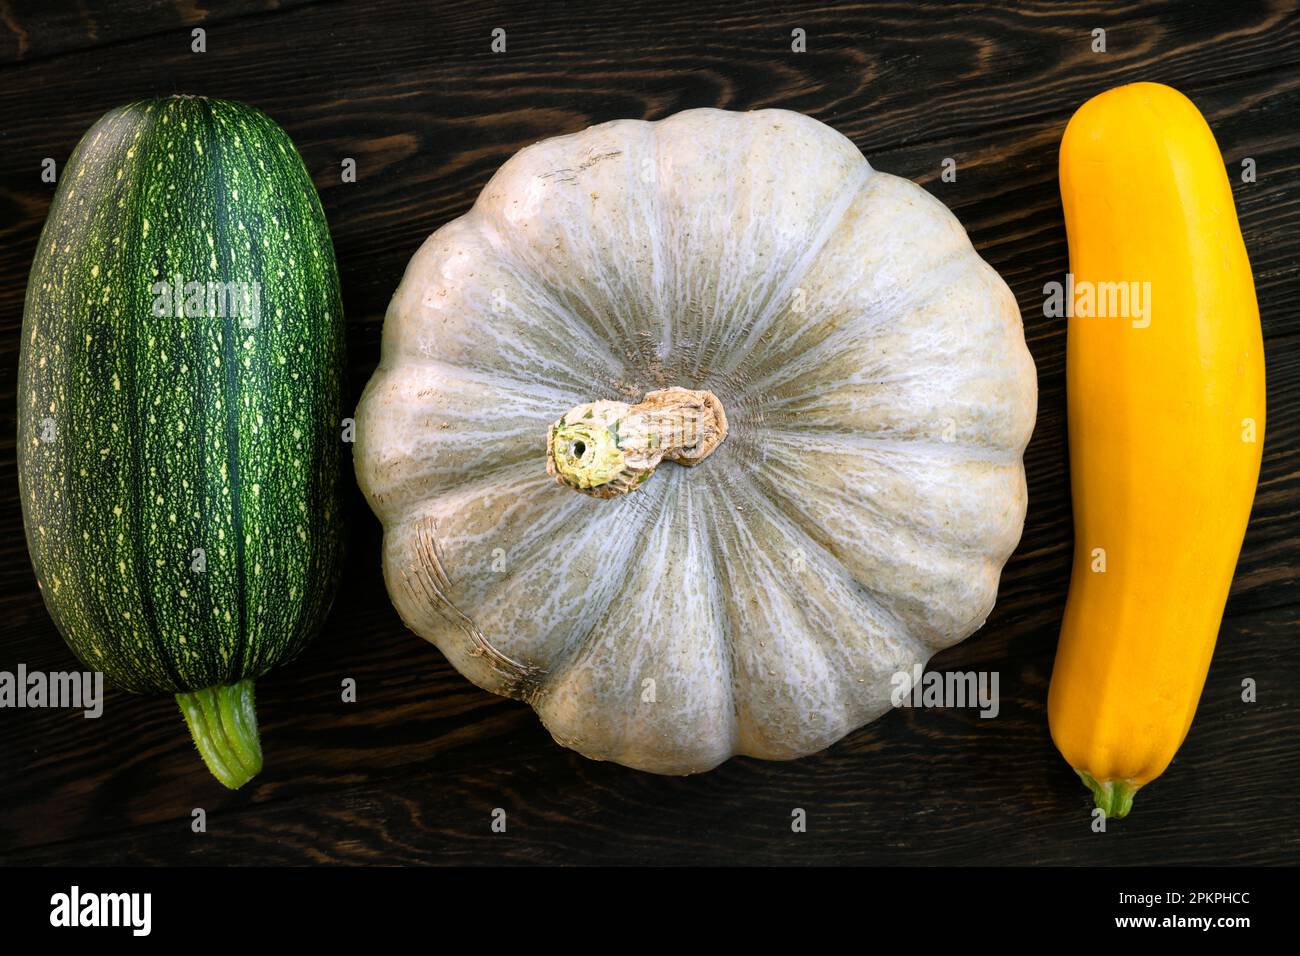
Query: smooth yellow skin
{"type": "Point", "coordinates": [1164, 457]}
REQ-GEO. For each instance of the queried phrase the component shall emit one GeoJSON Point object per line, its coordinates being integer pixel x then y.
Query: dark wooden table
{"type": "Point", "coordinates": [413, 770]}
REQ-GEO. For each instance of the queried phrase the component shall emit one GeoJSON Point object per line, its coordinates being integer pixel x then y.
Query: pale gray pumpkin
{"type": "Point", "coordinates": [862, 489]}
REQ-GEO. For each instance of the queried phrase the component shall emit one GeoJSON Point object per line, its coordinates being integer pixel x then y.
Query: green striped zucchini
{"type": "Point", "coordinates": [180, 397]}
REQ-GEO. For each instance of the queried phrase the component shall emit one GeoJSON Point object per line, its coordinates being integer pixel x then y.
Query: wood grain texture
{"type": "Point", "coordinates": [414, 769]}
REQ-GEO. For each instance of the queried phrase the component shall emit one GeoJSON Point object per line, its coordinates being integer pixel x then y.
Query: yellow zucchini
{"type": "Point", "coordinates": [1166, 427]}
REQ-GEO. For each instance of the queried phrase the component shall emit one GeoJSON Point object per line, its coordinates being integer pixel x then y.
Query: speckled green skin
{"type": "Point", "coordinates": [177, 433]}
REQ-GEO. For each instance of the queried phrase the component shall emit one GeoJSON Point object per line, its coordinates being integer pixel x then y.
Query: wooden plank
{"type": "Point", "coordinates": [32, 31]}
{"type": "Point", "coordinates": [919, 787]}
{"type": "Point", "coordinates": [444, 112]}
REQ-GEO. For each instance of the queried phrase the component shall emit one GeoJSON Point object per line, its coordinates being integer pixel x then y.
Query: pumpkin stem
{"type": "Point", "coordinates": [1113, 797]}
{"type": "Point", "coordinates": [605, 449]}
{"type": "Point", "coordinates": [223, 723]}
